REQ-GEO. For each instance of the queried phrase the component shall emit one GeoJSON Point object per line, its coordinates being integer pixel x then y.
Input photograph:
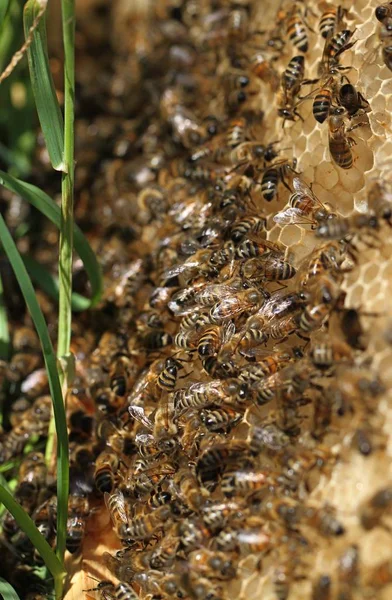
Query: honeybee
{"type": "Point", "coordinates": [352, 100]}
{"type": "Point", "coordinates": [339, 143]}
{"type": "Point", "coordinates": [305, 207]}
{"type": "Point", "coordinates": [264, 367]}
{"type": "Point", "coordinates": [386, 42]}
{"type": "Point", "coordinates": [215, 565]}
{"type": "Point", "coordinates": [245, 226]}
{"type": "Point", "coordinates": [106, 467]}
{"type": "Point", "coordinates": [214, 392]}
{"type": "Point", "coordinates": [217, 514]}
{"type": "Point", "coordinates": [373, 510]}
{"type": "Point", "coordinates": [35, 420]}
{"type": "Point", "coordinates": [380, 201]}
{"type": "Point", "coordinates": [189, 491]}
{"type": "Point", "coordinates": [322, 588]}
{"type": "Point", "coordinates": [296, 28]}
{"type": "Point", "coordinates": [76, 527]}
{"type": "Point", "coordinates": [116, 505]}
{"type": "Point", "coordinates": [26, 357]}
{"type": "Point", "coordinates": [344, 228]}
{"type": "Point", "coordinates": [326, 354]}
{"type": "Point", "coordinates": [267, 438]}
{"type": "Point", "coordinates": [121, 373]}
{"type": "Point", "coordinates": [348, 572]}
{"type": "Point", "coordinates": [242, 482]}
{"type": "Point", "coordinates": [323, 99]}
{"type": "Point", "coordinates": [251, 249]}
{"type": "Point", "coordinates": [221, 418]}
{"type": "Point", "coordinates": [330, 21]}
{"type": "Point", "coordinates": [144, 526]}
{"type": "Point", "coordinates": [291, 82]}
{"type": "Point", "coordinates": [324, 521]}
{"type": "Point", "coordinates": [212, 461]}
{"type": "Point", "coordinates": [278, 172]}
{"type": "Point", "coordinates": [233, 306]}
{"type": "Point", "coordinates": [245, 539]}
{"type": "Point", "coordinates": [334, 46]}
{"type": "Point", "coordinates": [383, 12]}
{"type": "Point", "coordinates": [109, 591]}
{"type": "Point", "coordinates": [35, 384]}
{"type": "Point", "coordinates": [167, 378]}
{"type": "Point", "coordinates": [270, 268]}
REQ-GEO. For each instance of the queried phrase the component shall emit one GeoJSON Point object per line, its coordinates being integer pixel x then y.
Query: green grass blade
{"type": "Point", "coordinates": [4, 6]}
{"type": "Point", "coordinates": [46, 206]}
{"type": "Point", "coordinates": [7, 591]}
{"type": "Point", "coordinates": [30, 529]}
{"type": "Point", "coordinates": [48, 108]}
{"type": "Point", "coordinates": [50, 284]}
{"type": "Point", "coordinates": [4, 333]}
{"type": "Point", "coordinates": [54, 382]}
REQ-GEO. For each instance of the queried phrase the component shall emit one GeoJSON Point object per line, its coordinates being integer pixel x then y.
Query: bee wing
{"type": "Point", "coordinates": [301, 187]}
{"type": "Point", "coordinates": [228, 333]}
{"type": "Point", "coordinates": [120, 505]}
{"type": "Point", "coordinates": [137, 413]}
{"type": "Point", "coordinates": [227, 309]}
{"type": "Point", "coordinates": [144, 439]}
{"type": "Point", "coordinates": [288, 216]}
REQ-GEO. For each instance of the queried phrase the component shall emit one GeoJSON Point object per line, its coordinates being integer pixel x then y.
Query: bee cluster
{"type": "Point", "coordinates": [229, 376]}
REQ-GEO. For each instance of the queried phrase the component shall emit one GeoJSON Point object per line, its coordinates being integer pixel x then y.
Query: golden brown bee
{"type": "Point", "coordinates": [270, 268]}
{"type": "Point", "coordinates": [221, 418]}
{"type": "Point", "coordinates": [116, 505]}
{"type": "Point", "coordinates": [76, 527]}
{"type": "Point", "coordinates": [374, 509]}
{"type": "Point", "coordinates": [109, 591]}
{"type": "Point", "coordinates": [331, 20]}
{"type": "Point", "coordinates": [339, 143]}
{"type": "Point", "coordinates": [27, 354]}
{"type": "Point", "coordinates": [106, 467]}
{"type": "Point", "coordinates": [296, 28]}
{"type": "Point", "coordinates": [268, 365]}
{"type": "Point", "coordinates": [144, 527]}
{"type": "Point", "coordinates": [322, 588]}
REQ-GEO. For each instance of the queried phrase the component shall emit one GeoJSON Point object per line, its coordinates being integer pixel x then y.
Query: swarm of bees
{"type": "Point", "coordinates": [227, 377]}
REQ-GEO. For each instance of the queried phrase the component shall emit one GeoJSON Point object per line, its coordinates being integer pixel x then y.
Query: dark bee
{"type": "Point", "coordinates": [272, 176]}
{"type": "Point", "coordinates": [383, 12]}
{"type": "Point", "coordinates": [352, 100]}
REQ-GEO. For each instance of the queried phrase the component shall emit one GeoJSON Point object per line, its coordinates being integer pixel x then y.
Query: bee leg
{"type": "Point", "coordinates": [303, 337]}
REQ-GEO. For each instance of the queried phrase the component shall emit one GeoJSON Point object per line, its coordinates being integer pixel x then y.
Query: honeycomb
{"type": "Point", "coordinates": [344, 481]}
